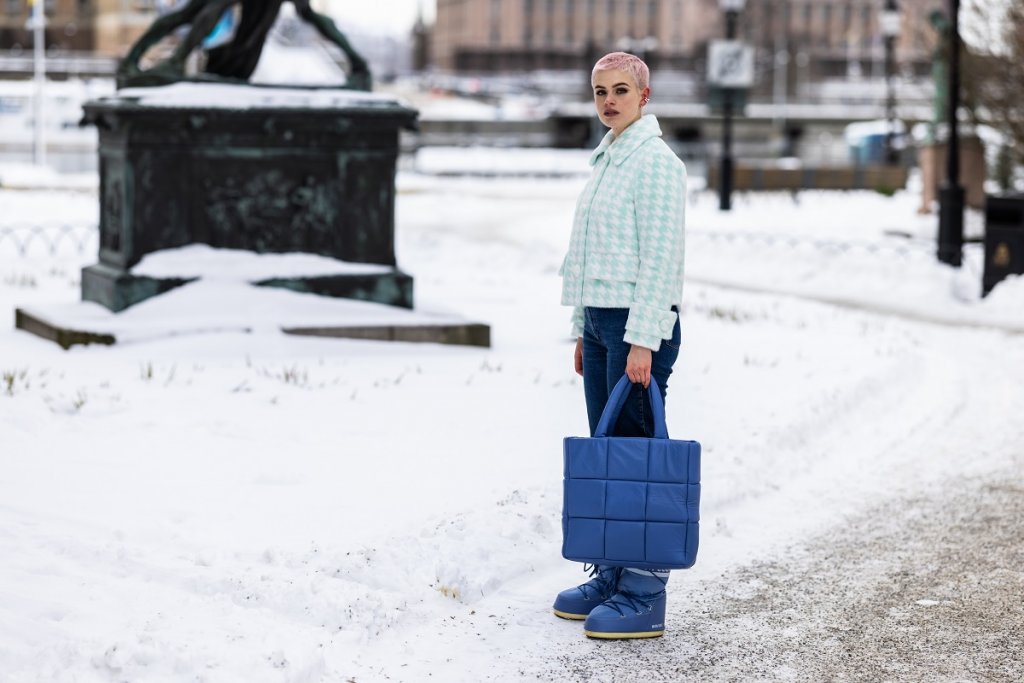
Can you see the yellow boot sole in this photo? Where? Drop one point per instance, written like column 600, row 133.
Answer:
column 622, row 636
column 569, row 615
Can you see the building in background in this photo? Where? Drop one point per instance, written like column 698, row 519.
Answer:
column 101, row 27
column 804, row 40
column 509, row 35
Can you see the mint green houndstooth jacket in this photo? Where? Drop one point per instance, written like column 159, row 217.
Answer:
column 626, row 248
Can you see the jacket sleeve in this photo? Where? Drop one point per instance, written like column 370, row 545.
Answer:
column 577, row 321
column 659, row 196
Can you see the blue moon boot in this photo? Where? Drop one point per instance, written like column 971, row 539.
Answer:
column 636, row 610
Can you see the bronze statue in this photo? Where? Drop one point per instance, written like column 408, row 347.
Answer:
column 236, row 59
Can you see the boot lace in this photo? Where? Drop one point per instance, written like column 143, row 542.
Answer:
column 600, row 583
column 635, row 602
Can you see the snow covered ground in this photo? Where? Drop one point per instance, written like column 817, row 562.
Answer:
column 256, row 507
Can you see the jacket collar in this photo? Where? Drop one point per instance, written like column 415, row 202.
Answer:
column 619, row 149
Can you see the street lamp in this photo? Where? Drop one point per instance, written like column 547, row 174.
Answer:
column 37, row 21
column 890, row 24
column 951, row 194
column 732, row 8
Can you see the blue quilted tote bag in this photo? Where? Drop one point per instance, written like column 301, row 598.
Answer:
column 631, row 501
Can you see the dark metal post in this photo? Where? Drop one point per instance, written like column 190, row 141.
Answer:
column 726, row 170
column 891, row 156
column 951, row 194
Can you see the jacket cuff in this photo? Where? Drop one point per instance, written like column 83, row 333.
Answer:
column 646, row 341
column 647, row 326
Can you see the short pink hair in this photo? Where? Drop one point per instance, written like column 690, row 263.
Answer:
column 623, row 61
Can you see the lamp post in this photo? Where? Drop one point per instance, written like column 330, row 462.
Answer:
column 37, row 20
column 951, row 194
column 890, row 24
column 732, row 8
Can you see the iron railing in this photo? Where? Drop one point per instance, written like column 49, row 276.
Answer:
column 52, row 239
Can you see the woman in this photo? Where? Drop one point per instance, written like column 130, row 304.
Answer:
column 623, row 275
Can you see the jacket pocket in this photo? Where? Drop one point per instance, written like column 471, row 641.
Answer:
column 613, row 266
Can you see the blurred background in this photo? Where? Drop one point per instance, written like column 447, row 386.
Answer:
column 515, row 73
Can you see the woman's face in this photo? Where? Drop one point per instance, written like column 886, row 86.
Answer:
column 617, row 99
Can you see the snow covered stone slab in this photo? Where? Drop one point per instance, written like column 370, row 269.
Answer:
column 65, row 337
column 216, row 306
column 164, row 270
column 299, row 272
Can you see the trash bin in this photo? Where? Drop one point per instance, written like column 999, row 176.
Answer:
column 869, row 149
column 1004, row 239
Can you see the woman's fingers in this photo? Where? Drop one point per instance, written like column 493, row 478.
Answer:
column 639, row 375
column 638, row 365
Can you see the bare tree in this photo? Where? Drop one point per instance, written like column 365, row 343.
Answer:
column 993, row 83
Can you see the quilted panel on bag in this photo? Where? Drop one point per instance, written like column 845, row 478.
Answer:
column 632, row 502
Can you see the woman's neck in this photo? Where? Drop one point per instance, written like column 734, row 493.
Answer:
column 626, row 127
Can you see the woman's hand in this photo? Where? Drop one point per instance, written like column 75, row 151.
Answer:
column 638, row 365
column 577, row 357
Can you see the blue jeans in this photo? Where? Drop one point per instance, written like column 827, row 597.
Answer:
column 604, row 363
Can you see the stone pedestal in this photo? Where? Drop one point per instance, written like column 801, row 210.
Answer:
column 972, row 172
column 245, row 167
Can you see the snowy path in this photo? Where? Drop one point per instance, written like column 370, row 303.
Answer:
column 923, row 588
column 260, row 508
column 883, row 481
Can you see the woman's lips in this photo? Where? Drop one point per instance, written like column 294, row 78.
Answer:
column 608, row 113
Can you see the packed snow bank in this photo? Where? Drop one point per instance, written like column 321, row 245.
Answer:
column 858, row 249
column 1006, row 298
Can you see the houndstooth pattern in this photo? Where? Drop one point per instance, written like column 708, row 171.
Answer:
column 626, row 248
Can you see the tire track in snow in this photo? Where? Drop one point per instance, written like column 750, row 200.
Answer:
column 877, row 307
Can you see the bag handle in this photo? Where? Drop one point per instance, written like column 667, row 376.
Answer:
column 617, row 399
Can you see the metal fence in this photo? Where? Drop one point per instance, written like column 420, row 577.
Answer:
column 48, row 239
column 66, row 239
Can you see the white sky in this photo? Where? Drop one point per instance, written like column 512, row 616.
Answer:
column 981, row 24
column 392, row 16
